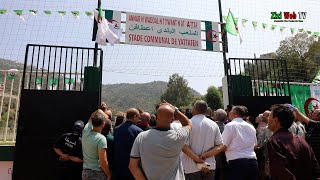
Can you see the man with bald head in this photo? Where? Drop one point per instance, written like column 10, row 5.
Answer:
column 145, row 120
column 124, row 136
column 158, row 149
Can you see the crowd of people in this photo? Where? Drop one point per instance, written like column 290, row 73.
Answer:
column 193, row 144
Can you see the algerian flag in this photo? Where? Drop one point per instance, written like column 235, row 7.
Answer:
column 12, row 74
column 292, row 30
column 89, row 14
column 47, row 12
column 231, row 26
column 224, row 18
column 244, row 21
column 69, row 83
column 39, row 83
column 236, row 20
column 282, row 28
column 264, row 25
column 108, row 27
column 3, row 11
column 33, row 12
column 62, row 13
column 254, row 24
column 273, row 27
column 212, row 36
column 20, row 14
column 76, row 14
column 300, row 30
column 53, row 83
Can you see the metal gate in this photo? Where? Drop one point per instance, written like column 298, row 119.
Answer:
column 257, row 83
column 9, row 105
column 55, row 93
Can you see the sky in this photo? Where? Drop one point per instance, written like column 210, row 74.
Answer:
column 138, row 64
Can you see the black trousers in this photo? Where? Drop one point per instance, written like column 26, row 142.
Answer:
column 67, row 173
column 242, row 169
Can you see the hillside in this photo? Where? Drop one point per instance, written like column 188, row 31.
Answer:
column 123, row 96
column 7, row 64
column 119, row 96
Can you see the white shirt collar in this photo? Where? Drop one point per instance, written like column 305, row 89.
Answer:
column 238, row 119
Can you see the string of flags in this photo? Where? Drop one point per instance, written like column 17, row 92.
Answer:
column 21, row 13
column 90, row 14
column 273, row 27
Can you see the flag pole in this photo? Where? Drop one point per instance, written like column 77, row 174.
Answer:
column 224, row 50
column 95, row 60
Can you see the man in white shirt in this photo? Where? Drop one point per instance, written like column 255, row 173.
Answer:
column 204, row 143
column 239, row 139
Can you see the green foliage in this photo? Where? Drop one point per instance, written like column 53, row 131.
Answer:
column 302, row 55
column 120, row 97
column 196, row 98
column 220, row 91
column 213, row 98
column 4, row 120
column 178, row 92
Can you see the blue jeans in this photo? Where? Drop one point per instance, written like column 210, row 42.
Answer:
column 93, row 175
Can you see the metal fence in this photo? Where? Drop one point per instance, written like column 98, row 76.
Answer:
column 47, row 68
column 258, row 77
column 10, row 85
column 58, row 67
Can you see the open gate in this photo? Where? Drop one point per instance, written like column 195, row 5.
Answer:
column 60, row 85
column 257, row 83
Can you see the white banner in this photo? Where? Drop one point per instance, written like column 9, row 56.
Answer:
column 151, row 30
column 215, row 37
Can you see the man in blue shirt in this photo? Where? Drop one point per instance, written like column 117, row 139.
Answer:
column 124, row 136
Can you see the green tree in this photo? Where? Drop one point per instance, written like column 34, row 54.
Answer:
column 299, row 52
column 302, row 55
column 178, row 92
column 213, row 98
column 196, row 98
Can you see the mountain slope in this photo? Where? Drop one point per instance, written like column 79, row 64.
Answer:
column 119, row 96
column 123, row 96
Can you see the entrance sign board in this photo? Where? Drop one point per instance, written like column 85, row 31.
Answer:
column 152, row 30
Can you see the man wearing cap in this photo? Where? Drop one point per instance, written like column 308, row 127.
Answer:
column 69, row 149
